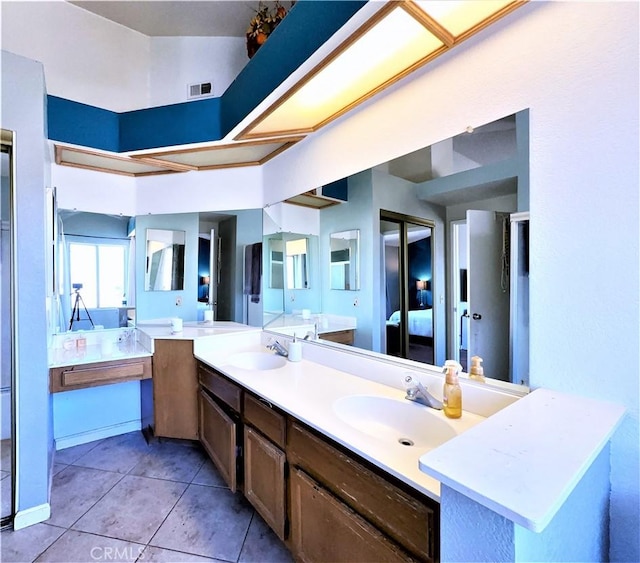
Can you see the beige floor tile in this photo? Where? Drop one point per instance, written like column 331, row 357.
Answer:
column 209, row 475
column 160, row 555
column 118, row 453
column 26, row 544
column 75, row 490
column 133, row 510
column 262, row 545
column 69, row 455
column 80, row 547
column 171, row 460
column 207, row 521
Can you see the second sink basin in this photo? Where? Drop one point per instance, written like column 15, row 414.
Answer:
column 395, row 420
column 258, row 361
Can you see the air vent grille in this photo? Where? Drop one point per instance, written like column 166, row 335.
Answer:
column 200, row 90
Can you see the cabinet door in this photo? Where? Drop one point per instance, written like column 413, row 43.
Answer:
column 175, row 390
column 325, row 529
column 218, row 436
column 264, row 479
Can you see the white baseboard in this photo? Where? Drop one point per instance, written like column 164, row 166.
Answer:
column 31, row 516
column 63, row 442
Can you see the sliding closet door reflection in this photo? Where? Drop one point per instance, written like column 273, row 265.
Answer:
column 407, row 258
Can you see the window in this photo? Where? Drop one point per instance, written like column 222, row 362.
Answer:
column 100, row 266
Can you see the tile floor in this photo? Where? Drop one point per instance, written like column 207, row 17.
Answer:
column 119, row 499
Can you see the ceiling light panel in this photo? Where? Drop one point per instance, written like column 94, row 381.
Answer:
column 221, row 156
column 399, row 38
column 379, row 53
column 461, row 16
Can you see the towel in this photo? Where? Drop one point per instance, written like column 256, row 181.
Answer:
column 253, row 271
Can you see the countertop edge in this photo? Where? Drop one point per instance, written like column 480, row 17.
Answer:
column 535, row 507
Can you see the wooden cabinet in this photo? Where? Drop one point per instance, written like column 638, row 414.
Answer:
column 175, row 390
column 325, row 529
column 218, row 435
column 325, row 502
column 81, row 376
column 407, row 519
column 339, row 336
column 264, row 479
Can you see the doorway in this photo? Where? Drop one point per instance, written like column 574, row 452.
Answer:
column 407, row 256
column 481, row 298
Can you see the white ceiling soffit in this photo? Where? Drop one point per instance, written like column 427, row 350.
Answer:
column 181, row 18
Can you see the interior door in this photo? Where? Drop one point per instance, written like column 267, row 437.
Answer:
column 488, row 293
column 214, row 273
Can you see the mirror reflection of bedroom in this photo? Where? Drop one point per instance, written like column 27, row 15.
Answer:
column 407, row 252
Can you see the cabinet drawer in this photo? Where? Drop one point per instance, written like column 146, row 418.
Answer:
column 221, row 387
column 325, row 529
column 100, row 373
column 410, row 522
column 269, row 421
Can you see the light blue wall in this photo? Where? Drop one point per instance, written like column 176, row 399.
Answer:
column 162, row 304
column 355, row 214
column 578, row 531
column 90, row 414
column 23, row 111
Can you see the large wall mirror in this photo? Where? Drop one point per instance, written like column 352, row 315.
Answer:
column 164, row 260
column 471, row 188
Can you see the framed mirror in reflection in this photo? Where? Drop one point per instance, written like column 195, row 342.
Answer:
column 344, row 270
column 444, row 186
column 164, row 269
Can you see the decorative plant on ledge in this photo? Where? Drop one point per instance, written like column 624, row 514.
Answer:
column 263, row 24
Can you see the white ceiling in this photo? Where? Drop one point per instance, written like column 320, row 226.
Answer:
column 184, row 18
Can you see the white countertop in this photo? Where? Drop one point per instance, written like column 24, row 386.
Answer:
column 192, row 330
column 550, row 437
column 308, row 390
column 290, row 324
column 93, row 353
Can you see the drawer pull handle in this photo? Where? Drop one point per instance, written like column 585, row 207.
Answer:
column 265, row 402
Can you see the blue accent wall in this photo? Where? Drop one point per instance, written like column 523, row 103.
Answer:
column 309, row 24
column 176, row 124
column 82, row 124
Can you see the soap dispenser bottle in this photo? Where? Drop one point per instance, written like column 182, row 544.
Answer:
column 476, row 372
column 452, row 393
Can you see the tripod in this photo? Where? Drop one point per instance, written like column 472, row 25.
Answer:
column 75, row 312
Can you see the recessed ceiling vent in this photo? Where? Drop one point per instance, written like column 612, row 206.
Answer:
column 201, row 90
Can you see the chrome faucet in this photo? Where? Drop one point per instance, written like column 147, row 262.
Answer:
column 312, row 334
column 278, row 348
column 420, row 394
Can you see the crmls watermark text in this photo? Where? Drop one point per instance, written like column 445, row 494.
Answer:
column 117, row 553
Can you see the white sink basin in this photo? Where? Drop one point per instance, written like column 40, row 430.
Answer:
column 396, row 421
column 259, row 361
